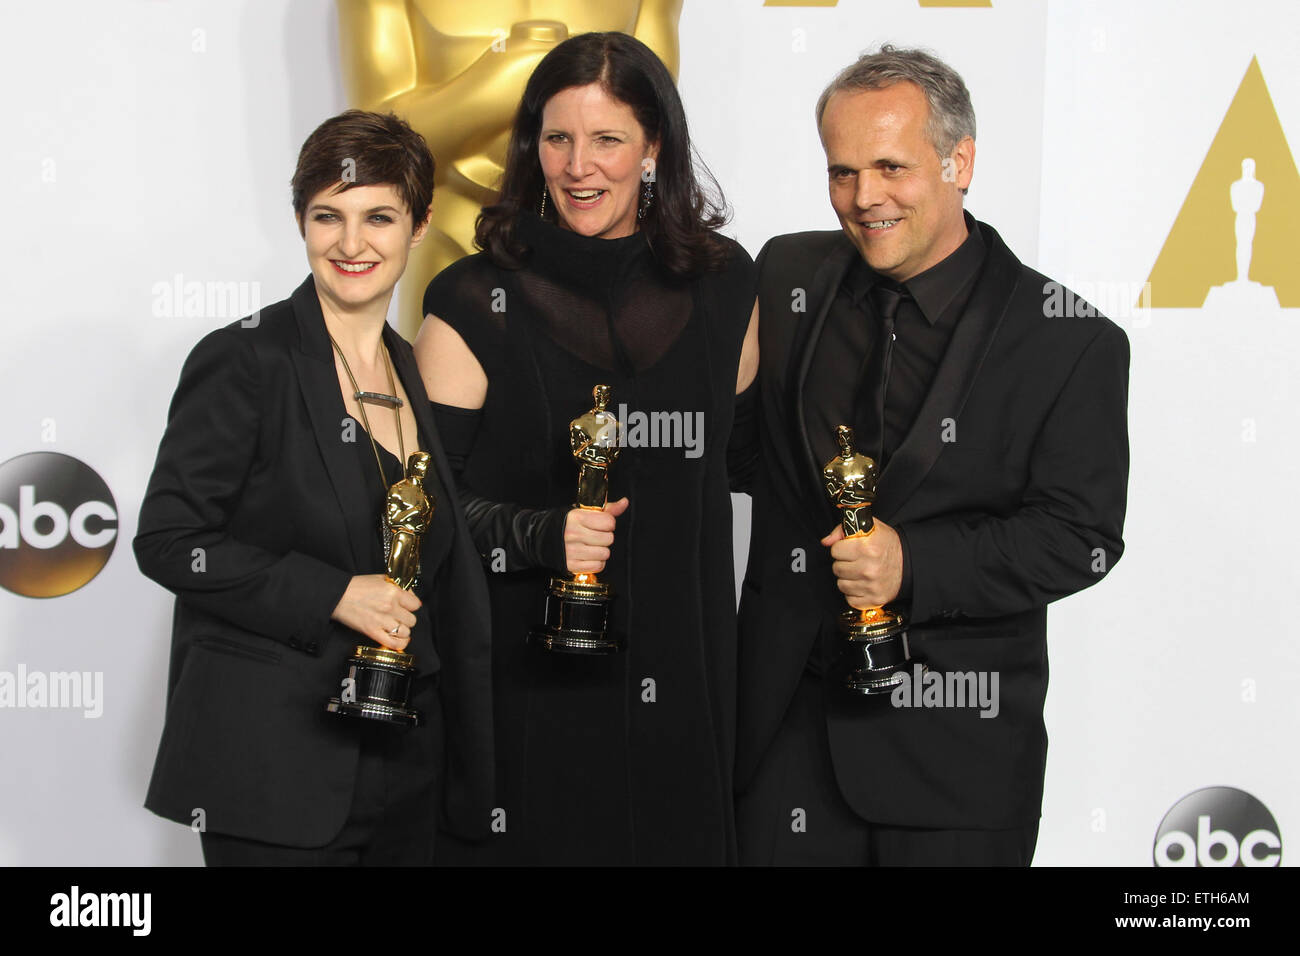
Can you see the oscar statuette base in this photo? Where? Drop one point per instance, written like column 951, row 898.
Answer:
column 577, row 619
column 874, row 657
column 377, row 686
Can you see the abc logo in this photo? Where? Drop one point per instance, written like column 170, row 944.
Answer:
column 1218, row 826
column 58, row 524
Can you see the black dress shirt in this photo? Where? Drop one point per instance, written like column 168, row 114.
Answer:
column 923, row 327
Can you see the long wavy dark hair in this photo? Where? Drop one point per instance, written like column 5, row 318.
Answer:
column 688, row 203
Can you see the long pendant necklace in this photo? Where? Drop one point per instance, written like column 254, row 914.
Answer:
column 394, row 402
column 391, row 399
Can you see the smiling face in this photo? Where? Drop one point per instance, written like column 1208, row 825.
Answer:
column 358, row 242
column 591, row 148
column 899, row 203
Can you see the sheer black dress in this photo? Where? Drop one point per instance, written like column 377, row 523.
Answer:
column 624, row 759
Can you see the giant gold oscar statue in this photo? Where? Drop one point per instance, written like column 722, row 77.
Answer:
column 455, row 71
column 873, row 656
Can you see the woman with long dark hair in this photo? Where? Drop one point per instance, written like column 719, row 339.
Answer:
column 601, row 264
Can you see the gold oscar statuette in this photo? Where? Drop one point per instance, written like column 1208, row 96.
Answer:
column 378, row 680
column 577, row 607
column 873, row 656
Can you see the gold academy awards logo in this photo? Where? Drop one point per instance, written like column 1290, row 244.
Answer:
column 1232, row 242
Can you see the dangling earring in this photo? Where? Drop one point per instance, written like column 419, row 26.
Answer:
column 647, row 198
column 542, row 211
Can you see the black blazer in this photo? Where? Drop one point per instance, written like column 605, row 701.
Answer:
column 247, row 520
column 1023, row 505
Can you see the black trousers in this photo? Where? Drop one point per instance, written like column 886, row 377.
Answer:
column 394, row 812
column 793, row 813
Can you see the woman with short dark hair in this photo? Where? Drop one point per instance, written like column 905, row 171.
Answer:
column 270, row 514
column 601, row 265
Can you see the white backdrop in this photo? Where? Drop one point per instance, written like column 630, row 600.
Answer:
column 151, row 140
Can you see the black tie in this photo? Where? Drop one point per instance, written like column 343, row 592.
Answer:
column 885, row 300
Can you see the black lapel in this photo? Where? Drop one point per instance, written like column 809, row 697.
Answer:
column 971, row 339
column 825, row 283
column 314, row 360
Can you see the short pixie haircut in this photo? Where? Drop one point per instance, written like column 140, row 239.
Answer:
column 359, row 148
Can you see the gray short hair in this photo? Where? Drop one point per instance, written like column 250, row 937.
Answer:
column 952, row 118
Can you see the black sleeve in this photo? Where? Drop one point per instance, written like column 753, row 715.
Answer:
column 183, row 539
column 1068, row 531
column 469, row 297
column 529, row 537
column 742, row 448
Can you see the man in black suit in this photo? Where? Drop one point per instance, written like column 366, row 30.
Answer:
column 999, row 428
